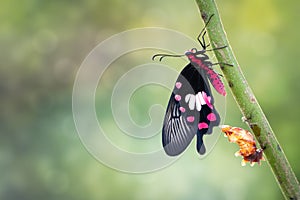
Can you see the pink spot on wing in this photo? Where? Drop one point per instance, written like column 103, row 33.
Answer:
column 190, row 118
column 178, row 85
column 202, row 125
column 211, row 117
column 182, row 109
column 177, row 97
column 207, row 100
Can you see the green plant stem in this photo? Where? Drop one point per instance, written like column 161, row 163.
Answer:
column 248, row 104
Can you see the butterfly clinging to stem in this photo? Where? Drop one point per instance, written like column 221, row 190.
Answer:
column 191, row 110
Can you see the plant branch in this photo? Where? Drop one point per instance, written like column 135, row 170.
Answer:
column 248, row 104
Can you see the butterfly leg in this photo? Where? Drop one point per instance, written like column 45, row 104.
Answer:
column 221, row 75
column 202, row 42
column 217, row 48
column 221, row 63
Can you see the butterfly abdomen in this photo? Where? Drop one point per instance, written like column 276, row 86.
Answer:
column 216, row 81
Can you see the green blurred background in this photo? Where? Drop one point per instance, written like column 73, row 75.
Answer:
column 43, row 44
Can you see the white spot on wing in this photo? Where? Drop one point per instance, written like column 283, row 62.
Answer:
column 198, row 101
column 192, row 102
column 195, row 101
column 202, row 101
column 187, row 97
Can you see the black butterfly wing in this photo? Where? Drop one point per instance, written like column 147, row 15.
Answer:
column 190, row 112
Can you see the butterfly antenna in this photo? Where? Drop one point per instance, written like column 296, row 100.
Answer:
column 165, row 55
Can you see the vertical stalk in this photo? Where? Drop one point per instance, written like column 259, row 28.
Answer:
column 248, row 104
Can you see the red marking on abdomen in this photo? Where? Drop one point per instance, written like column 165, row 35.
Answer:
column 216, row 82
column 211, row 74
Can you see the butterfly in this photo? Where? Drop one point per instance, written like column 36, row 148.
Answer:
column 191, row 110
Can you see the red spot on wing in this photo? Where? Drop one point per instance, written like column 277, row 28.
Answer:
column 182, row 109
column 202, row 125
column 211, row 117
column 177, row 97
column 207, row 100
column 178, row 85
column 190, row 118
